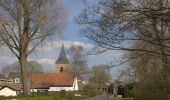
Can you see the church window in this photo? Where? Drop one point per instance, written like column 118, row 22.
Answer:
column 61, row 69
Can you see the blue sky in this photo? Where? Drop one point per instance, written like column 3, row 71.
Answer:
column 47, row 54
column 73, row 9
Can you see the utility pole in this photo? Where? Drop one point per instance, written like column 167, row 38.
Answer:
column 107, row 84
column 101, row 85
column 108, row 73
column 107, row 92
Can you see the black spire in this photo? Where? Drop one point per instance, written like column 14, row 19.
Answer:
column 62, row 59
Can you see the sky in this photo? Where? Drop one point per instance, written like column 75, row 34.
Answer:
column 48, row 53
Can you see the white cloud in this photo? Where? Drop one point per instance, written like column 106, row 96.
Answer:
column 68, row 43
column 6, row 57
column 105, row 58
column 86, row 46
column 51, row 45
column 49, row 52
column 42, row 61
column 7, row 60
column 47, row 63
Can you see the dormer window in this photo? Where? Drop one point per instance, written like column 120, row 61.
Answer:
column 17, row 80
column 61, row 69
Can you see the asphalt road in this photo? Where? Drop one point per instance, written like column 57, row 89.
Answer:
column 101, row 97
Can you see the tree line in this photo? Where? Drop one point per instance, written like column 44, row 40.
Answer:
column 140, row 27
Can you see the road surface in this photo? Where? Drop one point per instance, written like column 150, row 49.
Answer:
column 101, row 97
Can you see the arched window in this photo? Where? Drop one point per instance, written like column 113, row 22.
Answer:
column 61, row 69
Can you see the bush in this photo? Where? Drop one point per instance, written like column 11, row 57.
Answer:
column 62, row 93
column 129, row 90
column 1, row 98
column 37, row 98
column 91, row 90
column 44, row 98
column 120, row 90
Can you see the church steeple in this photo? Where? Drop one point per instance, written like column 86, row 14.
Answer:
column 62, row 63
column 62, row 59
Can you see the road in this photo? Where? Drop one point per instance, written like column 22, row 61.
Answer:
column 101, row 97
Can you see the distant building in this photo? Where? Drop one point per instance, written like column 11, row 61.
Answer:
column 10, row 78
column 10, row 84
column 61, row 80
column 10, row 90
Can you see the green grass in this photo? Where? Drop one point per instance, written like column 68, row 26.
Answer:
column 43, row 98
column 49, row 96
column 38, row 98
column 115, row 98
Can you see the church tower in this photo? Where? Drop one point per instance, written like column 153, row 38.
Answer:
column 62, row 63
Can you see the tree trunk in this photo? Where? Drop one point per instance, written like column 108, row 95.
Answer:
column 164, row 59
column 25, row 73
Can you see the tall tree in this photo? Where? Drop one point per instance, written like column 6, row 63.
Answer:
column 125, row 24
column 150, row 76
column 34, row 66
column 78, row 60
column 117, row 24
column 98, row 76
column 24, row 24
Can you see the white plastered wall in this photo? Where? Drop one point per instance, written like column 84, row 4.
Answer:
column 72, row 88
column 7, row 92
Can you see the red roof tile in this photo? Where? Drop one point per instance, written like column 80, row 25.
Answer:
column 45, row 80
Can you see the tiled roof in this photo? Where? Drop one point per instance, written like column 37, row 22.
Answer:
column 14, row 75
column 45, row 80
column 62, row 59
column 13, row 87
column 2, row 77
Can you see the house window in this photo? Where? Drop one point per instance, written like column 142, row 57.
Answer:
column 61, row 69
column 17, row 80
column 17, row 92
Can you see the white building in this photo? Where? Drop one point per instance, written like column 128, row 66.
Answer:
column 61, row 80
column 54, row 82
column 10, row 90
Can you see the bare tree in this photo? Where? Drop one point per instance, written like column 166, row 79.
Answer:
column 34, row 66
column 138, row 26
column 78, row 59
column 150, row 75
column 24, row 24
column 116, row 24
column 98, row 77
